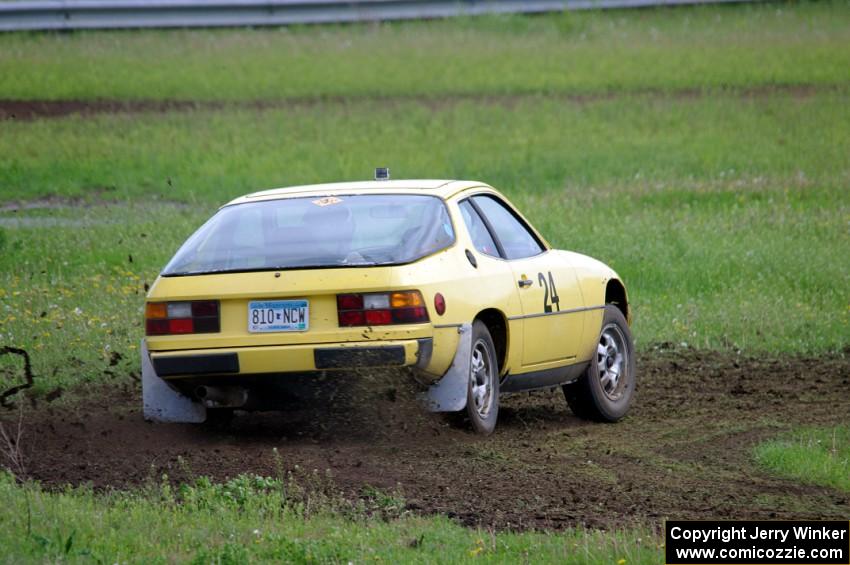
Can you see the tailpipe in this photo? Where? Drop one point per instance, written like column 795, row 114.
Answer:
column 222, row 396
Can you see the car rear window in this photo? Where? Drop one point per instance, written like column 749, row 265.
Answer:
column 330, row 231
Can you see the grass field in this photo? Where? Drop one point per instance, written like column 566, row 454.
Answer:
column 725, row 214
column 251, row 519
column 811, row 455
column 712, row 46
column 703, row 152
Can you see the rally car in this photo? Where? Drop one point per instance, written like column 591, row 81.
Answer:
column 443, row 277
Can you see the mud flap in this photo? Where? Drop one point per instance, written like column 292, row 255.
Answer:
column 161, row 403
column 450, row 392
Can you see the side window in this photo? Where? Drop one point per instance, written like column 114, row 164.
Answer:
column 515, row 238
column 481, row 238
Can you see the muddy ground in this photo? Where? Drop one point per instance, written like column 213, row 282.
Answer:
column 683, row 452
column 28, row 110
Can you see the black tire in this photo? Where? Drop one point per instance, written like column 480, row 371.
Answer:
column 482, row 399
column 599, row 394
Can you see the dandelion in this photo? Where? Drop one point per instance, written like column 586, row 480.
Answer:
column 621, row 562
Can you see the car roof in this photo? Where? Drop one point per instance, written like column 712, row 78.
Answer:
column 442, row 188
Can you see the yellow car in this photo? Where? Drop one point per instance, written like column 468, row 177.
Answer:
column 444, row 277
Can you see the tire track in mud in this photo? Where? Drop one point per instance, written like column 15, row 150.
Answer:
column 34, row 109
column 683, row 452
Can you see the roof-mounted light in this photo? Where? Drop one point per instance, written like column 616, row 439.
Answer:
column 382, row 173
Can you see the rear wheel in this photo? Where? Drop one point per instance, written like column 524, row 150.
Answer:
column 604, row 392
column 482, row 401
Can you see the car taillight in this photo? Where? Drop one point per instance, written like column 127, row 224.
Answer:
column 172, row 318
column 381, row 308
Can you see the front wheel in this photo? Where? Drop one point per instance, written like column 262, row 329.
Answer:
column 604, row 392
column 482, row 400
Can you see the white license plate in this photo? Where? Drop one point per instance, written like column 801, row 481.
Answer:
column 278, row 316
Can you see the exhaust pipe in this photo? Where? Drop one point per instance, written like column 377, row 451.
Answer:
column 222, row 396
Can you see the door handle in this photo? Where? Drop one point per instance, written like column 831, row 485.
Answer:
column 525, row 282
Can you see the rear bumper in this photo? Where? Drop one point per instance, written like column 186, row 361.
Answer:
column 177, row 399
column 292, row 358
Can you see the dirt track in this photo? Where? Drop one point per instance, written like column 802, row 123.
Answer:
column 684, row 451
column 27, row 110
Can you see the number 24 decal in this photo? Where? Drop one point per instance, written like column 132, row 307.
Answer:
column 550, row 295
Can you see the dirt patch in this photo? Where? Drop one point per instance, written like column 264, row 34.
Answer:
column 25, row 110
column 683, row 452
column 28, row 110
column 96, row 197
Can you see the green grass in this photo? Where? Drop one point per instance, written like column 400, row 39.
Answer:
column 703, row 152
column 698, row 47
column 255, row 519
column 725, row 215
column 819, row 456
column 70, row 295
column 669, row 150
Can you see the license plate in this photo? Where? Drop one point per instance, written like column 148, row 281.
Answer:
column 278, row 316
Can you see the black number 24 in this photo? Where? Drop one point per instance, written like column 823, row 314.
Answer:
column 550, row 295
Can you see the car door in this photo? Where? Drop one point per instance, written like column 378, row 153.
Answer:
column 552, row 320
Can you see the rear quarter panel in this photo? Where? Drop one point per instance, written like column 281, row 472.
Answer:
column 467, row 291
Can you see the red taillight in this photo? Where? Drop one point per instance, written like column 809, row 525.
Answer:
column 381, row 308
column 352, row 318
column 181, row 326
column 207, row 308
column 410, row 315
column 156, row 327
column 379, row 317
column 349, row 302
column 170, row 318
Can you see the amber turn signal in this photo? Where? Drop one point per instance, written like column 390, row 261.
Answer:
column 156, row 310
column 408, row 299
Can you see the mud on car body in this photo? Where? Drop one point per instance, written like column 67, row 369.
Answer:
column 444, row 277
